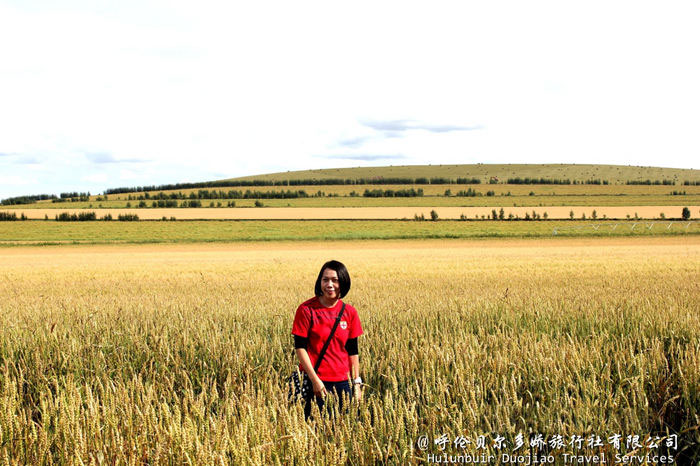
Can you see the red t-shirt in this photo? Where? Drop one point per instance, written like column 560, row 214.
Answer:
column 336, row 362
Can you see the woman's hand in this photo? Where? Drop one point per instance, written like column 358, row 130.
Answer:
column 357, row 392
column 316, row 382
column 319, row 388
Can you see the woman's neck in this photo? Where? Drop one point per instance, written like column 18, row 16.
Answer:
column 325, row 302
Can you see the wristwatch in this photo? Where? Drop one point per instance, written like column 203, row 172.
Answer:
column 357, row 381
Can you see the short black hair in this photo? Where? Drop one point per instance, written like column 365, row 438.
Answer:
column 343, row 278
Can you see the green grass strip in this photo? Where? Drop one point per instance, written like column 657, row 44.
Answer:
column 51, row 232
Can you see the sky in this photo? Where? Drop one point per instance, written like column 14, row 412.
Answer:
column 101, row 94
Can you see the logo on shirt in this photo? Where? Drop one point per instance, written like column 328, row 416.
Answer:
column 343, row 324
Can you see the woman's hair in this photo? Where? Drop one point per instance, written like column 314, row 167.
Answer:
column 343, row 278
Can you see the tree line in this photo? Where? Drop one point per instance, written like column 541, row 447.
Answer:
column 650, row 182
column 231, row 194
column 91, row 216
column 11, row 216
column 82, row 197
column 393, row 193
column 296, row 182
column 27, row 199
column 527, row 180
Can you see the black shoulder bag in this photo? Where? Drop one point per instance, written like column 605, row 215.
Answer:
column 303, row 388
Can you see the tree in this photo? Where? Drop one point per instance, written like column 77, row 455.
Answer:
column 571, row 215
column 686, row 213
column 433, row 215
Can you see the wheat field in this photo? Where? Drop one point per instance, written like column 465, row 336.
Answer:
column 176, row 354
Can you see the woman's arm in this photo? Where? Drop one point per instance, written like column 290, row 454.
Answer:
column 354, row 366
column 353, row 353
column 355, row 373
column 316, row 382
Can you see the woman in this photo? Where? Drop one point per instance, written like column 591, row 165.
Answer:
column 313, row 322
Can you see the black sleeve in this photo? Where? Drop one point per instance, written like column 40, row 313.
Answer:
column 300, row 342
column 351, row 346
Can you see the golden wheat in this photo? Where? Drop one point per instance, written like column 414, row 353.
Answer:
column 176, row 354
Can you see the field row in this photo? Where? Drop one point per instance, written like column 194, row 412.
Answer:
column 176, row 354
column 321, row 213
column 191, row 231
column 429, row 201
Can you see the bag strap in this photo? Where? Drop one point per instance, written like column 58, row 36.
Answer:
column 330, row 337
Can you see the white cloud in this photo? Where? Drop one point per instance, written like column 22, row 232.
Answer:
column 15, row 180
column 127, row 175
column 96, row 178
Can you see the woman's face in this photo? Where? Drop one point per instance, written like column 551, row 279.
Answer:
column 329, row 284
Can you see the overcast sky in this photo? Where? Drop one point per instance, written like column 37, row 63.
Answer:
column 97, row 94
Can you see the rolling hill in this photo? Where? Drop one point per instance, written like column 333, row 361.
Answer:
column 615, row 174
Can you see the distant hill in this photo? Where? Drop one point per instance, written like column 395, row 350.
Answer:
column 422, row 175
column 615, row 174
